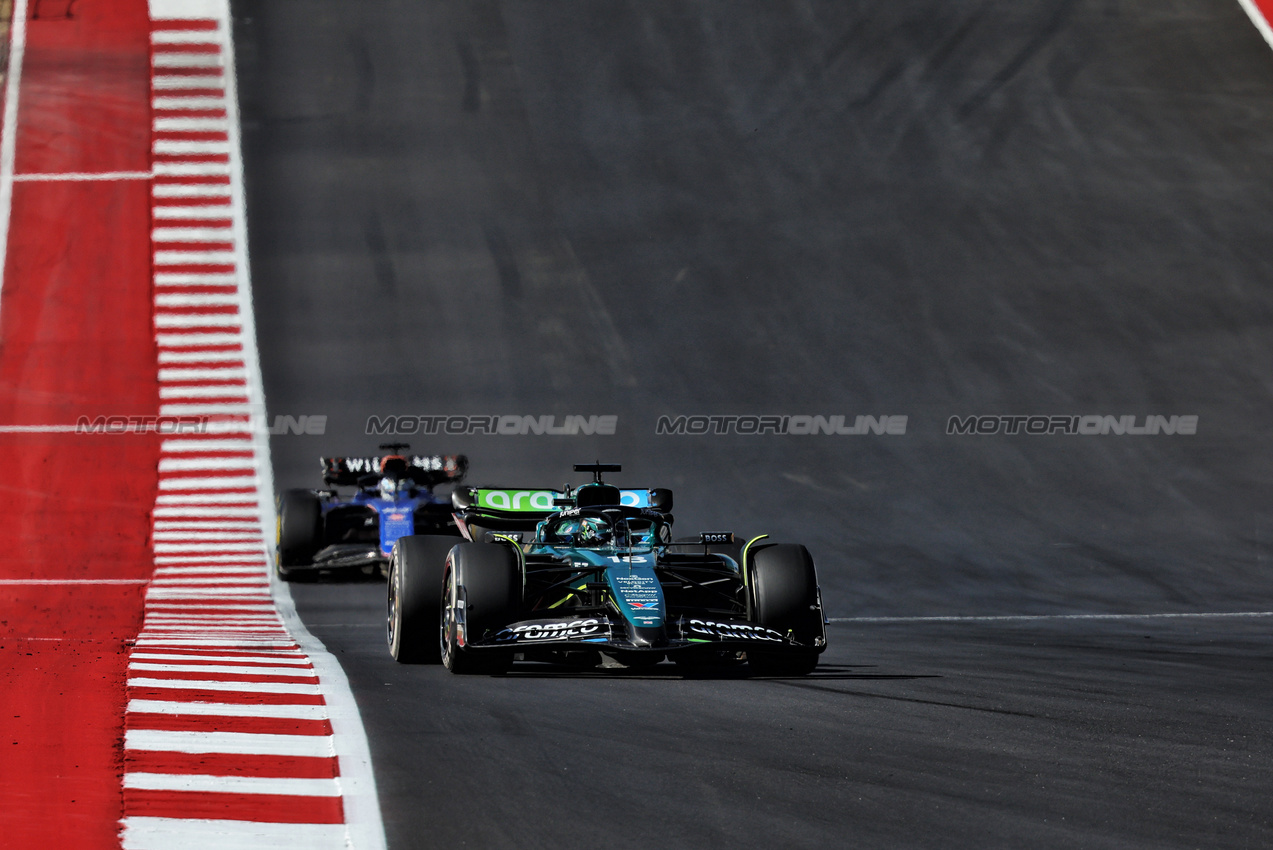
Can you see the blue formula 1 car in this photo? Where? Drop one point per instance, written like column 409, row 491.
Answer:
column 579, row 576
column 324, row 530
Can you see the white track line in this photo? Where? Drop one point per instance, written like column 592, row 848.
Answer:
column 1030, row 618
column 9, row 130
column 1257, row 18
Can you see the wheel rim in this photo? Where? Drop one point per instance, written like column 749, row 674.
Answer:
column 390, row 624
column 448, row 620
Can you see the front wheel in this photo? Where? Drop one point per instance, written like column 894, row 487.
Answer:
column 300, row 531
column 483, row 594
column 784, row 588
column 416, row 568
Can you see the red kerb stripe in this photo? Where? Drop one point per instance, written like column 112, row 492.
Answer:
column 231, row 697
column 229, row 764
column 183, row 24
column 212, row 723
column 265, row 808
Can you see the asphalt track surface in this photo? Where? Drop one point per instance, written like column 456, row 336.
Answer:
column 905, row 208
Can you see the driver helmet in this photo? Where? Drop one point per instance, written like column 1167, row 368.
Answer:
column 587, row 531
column 391, row 486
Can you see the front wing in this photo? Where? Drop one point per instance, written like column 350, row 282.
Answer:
column 685, row 633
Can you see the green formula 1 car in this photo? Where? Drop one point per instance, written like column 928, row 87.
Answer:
column 578, row 576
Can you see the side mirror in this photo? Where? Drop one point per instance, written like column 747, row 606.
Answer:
column 462, row 497
column 661, row 500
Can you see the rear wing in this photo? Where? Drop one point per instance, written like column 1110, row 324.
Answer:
column 527, row 504
column 425, row 470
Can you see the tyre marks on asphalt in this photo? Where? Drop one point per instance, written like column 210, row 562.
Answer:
column 229, row 739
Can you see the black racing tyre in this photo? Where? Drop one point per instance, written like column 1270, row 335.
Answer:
column 414, row 598
column 300, row 531
column 491, row 579
column 784, row 591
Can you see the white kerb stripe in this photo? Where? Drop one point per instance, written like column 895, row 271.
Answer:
column 209, row 581
column 206, row 409
column 205, row 445
column 203, row 81
column 256, row 644
column 205, row 512
column 192, row 234
column 200, row 102
column 185, row 37
column 181, row 146
column 211, row 621
column 192, row 340
column 236, row 392
column 175, row 464
column 231, row 784
column 221, row 709
column 197, row 355
column 239, row 563
column 219, row 668
column 190, row 190
column 208, row 525
column 191, row 169
column 235, row 687
column 240, row 559
column 237, row 606
column 245, row 743
column 188, row 60
column 142, row 833
column 233, row 501
column 201, row 211
column 288, row 660
column 201, row 543
column 194, row 258
column 197, row 320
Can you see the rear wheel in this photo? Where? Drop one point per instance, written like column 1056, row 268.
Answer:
column 300, row 531
column 487, row 578
column 416, row 568
column 784, row 587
